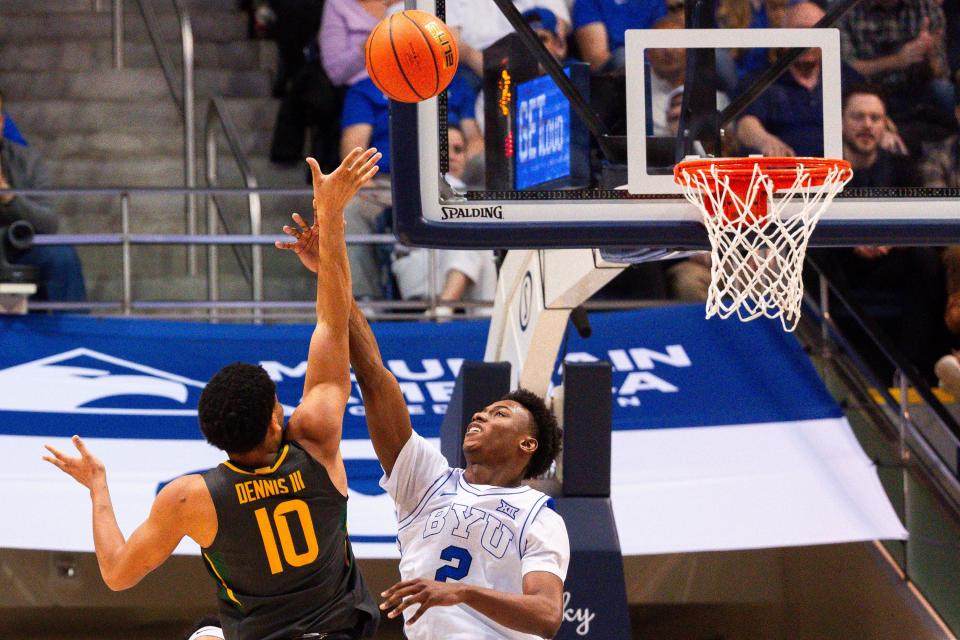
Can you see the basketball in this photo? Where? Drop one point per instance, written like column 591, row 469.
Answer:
column 411, row 56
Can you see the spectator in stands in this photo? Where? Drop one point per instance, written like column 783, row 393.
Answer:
column 940, row 167
column 667, row 70
column 545, row 24
column 951, row 11
column 10, row 130
column 951, row 264
column 599, row 27
column 900, row 288
column 787, row 118
column 366, row 123
column 687, row 279
column 864, row 127
column 309, row 101
column 292, row 24
column 479, row 23
column 22, row 167
column 733, row 65
column 674, row 105
column 900, row 45
column 463, row 275
column 343, row 35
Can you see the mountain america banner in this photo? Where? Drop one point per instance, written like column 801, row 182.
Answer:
column 724, row 436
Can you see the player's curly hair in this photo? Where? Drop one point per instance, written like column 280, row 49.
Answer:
column 548, row 433
column 236, row 407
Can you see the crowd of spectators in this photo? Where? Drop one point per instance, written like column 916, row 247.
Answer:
column 900, row 127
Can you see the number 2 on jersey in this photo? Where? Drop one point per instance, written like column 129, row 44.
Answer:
column 454, row 571
column 290, row 554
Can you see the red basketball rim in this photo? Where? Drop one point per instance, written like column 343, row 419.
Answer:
column 781, row 170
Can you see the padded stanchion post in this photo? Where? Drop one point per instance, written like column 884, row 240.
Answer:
column 595, row 598
column 587, row 417
column 478, row 384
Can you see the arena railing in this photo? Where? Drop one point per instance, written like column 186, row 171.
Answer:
column 945, row 443
column 181, row 91
column 218, row 113
column 258, row 310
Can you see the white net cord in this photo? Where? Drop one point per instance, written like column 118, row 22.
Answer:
column 757, row 260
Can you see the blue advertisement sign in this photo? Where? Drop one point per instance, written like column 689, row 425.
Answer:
column 543, row 133
column 131, row 387
column 129, row 378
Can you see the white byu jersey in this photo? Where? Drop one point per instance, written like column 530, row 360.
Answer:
column 449, row 529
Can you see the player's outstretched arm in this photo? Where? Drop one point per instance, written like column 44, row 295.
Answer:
column 538, row 610
column 317, row 423
column 388, row 419
column 181, row 508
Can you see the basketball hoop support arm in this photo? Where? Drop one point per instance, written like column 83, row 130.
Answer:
column 536, row 291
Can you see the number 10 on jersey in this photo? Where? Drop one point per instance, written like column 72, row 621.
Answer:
column 282, row 525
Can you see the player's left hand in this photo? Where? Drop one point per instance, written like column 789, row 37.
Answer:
column 87, row 469
column 333, row 191
column 304, row 242
column 423, row 592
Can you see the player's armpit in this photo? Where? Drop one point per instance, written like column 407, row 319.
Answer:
column 317, row 423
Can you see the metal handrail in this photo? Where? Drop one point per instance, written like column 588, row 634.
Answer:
column 892, row 354
column 184, row 98
column 107, row 239
column 421, row 310
column 936, row 453
column 172, row 191
column 217, row 112
column 117, row 15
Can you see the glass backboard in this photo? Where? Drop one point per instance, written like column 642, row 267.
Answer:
column 546, row 178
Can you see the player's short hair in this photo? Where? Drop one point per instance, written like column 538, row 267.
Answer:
column 861, row 89
column 236, row 407
column 546, row 431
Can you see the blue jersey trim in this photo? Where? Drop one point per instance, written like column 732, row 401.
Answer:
column 436, row 486
column 360, row 539
column 530, row 518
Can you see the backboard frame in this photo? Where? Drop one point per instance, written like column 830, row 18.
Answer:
column 423, row 217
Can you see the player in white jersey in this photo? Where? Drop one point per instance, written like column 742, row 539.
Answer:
column 481, row 555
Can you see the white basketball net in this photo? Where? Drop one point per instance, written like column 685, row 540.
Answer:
column 757, row 261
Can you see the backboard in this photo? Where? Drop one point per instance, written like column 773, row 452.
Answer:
column 551, row 177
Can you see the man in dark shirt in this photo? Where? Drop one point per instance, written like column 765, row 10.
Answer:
column 787, row 118
column 271, row 519
column 900, row 45
column 900, row 288
column 864, row 125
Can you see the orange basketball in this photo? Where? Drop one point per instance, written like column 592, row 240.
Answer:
column 411, row 56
